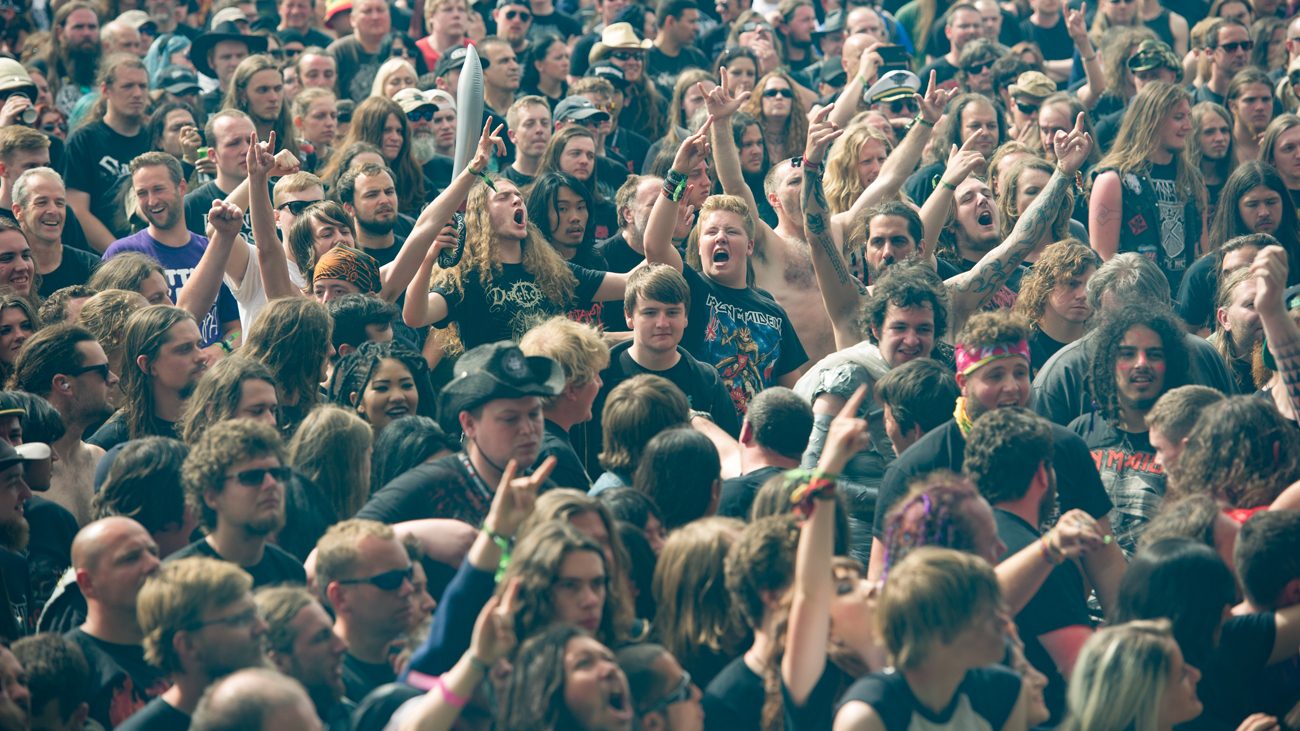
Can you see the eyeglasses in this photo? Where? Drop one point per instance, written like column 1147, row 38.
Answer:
column 297, row 207
column 751, row 26
column 426, row 115
column 1122, row 2
column 898, row 107
column 978, row 68
column 387, row 581
column 234, row 621
column 255, row 478
column 626, row 55
column 523, row 15
column 399, row 52
column 771, row 93
column 51, row 126
column 102, row 369
column 607, row 107
column 292, row 53
column 681, row 693
column 1027, row 108
column 1232, row 47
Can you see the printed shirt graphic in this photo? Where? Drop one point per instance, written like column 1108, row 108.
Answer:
column 1171, row 217
column 743, row 333
column 97, row 160
column 178, row 266
column 1127, row 463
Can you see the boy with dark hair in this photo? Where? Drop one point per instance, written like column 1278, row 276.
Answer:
column 917, row 397
column 360, row 318
column 1172, row 418
column 56, row 676
column 1267, row 557
column 773, row 438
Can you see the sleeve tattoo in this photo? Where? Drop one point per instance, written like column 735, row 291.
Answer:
column 1028, row 231
column 816, row 213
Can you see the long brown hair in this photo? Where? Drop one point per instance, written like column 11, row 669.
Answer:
column 694, row 615
column 368, row 122
column 147, row 331
column 218, row 394
column 1010, row 189
column 329, row 448
column 1140, row 133
column 286, row 137
column 302, row 235
column 291, row 337
column 795, row 131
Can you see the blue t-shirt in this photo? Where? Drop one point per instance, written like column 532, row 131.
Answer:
column 178, row 263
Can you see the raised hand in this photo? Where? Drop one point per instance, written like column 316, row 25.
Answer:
column 285, row 162
column 719, row 102
column 1074, row 535
column 191, row 141
column 1072, row 147
column 226, row 218
column 1076, row 25
column 494, row 630
column 821, row 134
column 516, row 497
column 487, row 142
column 846, row 436
column 694, row 149
column 685, row 218
column 869, row 62
column 1270, row 270
column 935, row 100
column 13, row 109
column 447, row 238
column 767, row 58
column 962, row 162
column 260, row 160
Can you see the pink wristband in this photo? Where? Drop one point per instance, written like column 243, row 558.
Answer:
column 417, row 679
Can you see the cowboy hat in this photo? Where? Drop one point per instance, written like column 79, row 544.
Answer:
column 617, row 35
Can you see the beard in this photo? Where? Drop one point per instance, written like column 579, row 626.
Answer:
column 424, row 145
column 1048, row 506
column 14, row 534
column 323, row 695
column 376, row 226
column 169, row 220
column 266, row 525
column 81, row 61
column 188, row 389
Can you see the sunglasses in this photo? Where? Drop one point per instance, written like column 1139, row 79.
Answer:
column 627, row 55
column 387, row 581
column 426, row 115
column 899, row 107
column 399, row 52
column 771, row 93
column 255, row 478
column 51, row 126
column 297, row 207
column 292, row 52
column 750, row 26
column 276, row 54
column 521, row 14
column 234, row 621
column 1027, row 108
column 101, row 369
column 978, row 68
column 1232, row 47
column 607, row 107
column 681, row 693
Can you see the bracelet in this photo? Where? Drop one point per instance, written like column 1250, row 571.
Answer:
column 457, row 701
column 674, row 185
column 806, row 164
column 918, row 119
column 1049, row 554
column 702, row 414
column 484, row 176
column 504, row 543
column 947, row 185
column 482, row 666
column 865, row 84
column 1090, row 58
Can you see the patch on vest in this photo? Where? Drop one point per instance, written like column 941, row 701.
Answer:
column 1137, row 224
column 1133, row 183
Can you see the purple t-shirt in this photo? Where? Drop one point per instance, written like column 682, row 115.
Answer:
column 178, row 265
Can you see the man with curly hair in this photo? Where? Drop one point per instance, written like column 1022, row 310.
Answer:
column 1137, row 355
column 992, row 373
column 234, row 479
column 1054, row 297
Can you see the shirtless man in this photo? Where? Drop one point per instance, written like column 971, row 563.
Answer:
column 65, row 365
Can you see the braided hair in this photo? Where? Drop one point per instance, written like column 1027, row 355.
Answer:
column 355, row 370
column 931, row 514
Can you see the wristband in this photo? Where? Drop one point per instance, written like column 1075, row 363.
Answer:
column 674, row 185
column 807, row 164
column 226, row 344
column 814, row 485
column 918, row 119
column 865, row 84
column 702, row 414
column 1090, row 58
column 457, row 701
column 947, row 185
column 1049, row 554
column 504, row 543
column 483, row 175
column 482, row 666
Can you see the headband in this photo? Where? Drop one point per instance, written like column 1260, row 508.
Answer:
column 349, row 265
column 969, row 359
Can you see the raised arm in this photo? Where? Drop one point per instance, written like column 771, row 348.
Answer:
column 901, row 162
column 726, row 158
column 1270, row 269
column 842, row 293
column 271, row 259
column 961, row 163
column 810, row 609
column 1077, row 27
column 846, row 104
column 203, row 286
column 659, row 247
column 972, row 289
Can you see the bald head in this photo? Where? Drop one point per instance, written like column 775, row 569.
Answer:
column 854, row 45
column 99, row 537
column 255, row 698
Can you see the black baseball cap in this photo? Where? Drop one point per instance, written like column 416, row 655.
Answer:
column 179, row 80
column 609, row 72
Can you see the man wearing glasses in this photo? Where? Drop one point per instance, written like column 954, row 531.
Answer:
column 365, row 573
column 1228, row 44
column 234, row 479
column 200, row 623
column 663, row 694
column 964, row 25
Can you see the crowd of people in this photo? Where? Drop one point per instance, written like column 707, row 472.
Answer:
column 818, row 365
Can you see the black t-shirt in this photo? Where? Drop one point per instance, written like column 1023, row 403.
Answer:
column 1230, row 679
column 733, row 700
column 198, row 203
column 1041, row 347
column 356, row 68
column 359, row 678
column 18, row 589
column 986, row 694
column 703, row 387
column 1060, row 602
column 738, row 492
column 276, row 567
column 159, row 715
column 1196, row 293
column 509, row 305
column 385, row 255
column 98, row 159
column 943, row 70
column 743, row 333
column 1077, row 483
column 121, row 682
column 519, row 179
column 818, row 711
column 443, row 488
column 1126, row 461
column 1054, row 42
column 558, row 23
column 49, row 552
column 114, row 432
column 663, row 70
column 568, row 471
column 629, row 145
column 920, row 184
column 619, row 258
column 76, row 268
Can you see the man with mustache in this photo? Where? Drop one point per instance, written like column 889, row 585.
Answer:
column 74, row 53
column 235, row 481
column 159, row 186
column 369, row 194
column 111, row 559
column 1138, row 355
column 303, row 646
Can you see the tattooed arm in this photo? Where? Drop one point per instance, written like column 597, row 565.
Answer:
column 1270, row 269
column 972, row 289
column 1104, row 209
column 842, row 293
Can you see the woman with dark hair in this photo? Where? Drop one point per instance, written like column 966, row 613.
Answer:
column 680, row 470
column 400, row 45
column 545, row 68
column 382, row 382
column 569, row 224
column 1185, row 581
column 640, row 568
column 382, row 123
column 630, row 505
column 564, row 680
column 405, row 443
column 572, row 150
column 741, row 64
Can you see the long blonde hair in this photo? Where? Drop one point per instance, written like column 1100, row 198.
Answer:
column 1101, row 24
column 549, row 270
column 843, row 185
column 1140, row 133
column 1009, row 190
column 1116, row 47
column 329, row 448
column 676, row 109
column 1120, row 678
